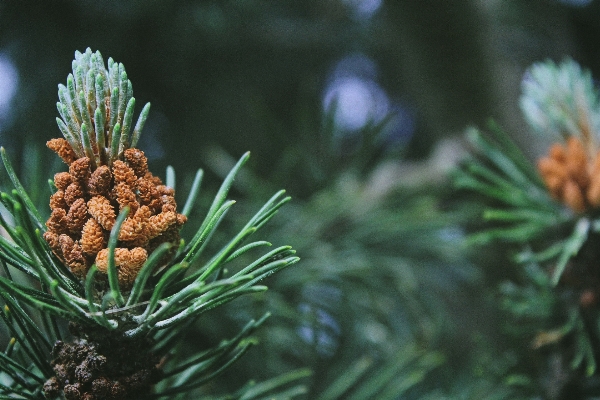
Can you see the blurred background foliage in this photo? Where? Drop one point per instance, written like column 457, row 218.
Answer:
column 356, row 107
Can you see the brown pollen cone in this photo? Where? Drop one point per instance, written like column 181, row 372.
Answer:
column 572, row 176
column 87, row 202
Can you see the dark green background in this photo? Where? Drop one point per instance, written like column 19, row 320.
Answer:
column 240, row 73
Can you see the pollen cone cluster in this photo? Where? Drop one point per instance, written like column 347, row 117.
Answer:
column 87, row 202
column 571, row 175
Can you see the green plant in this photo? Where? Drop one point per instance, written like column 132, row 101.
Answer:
column 110, row 265
column 549, row 216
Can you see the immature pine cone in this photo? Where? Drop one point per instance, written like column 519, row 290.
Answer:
column 571, row 175
column 85, row 207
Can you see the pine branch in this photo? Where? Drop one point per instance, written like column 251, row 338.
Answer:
column 553, row 220
column 110, row 261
